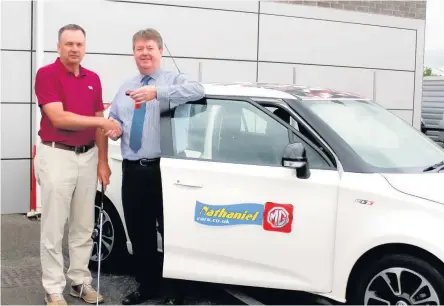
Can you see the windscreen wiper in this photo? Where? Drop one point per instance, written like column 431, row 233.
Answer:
column 436, row 167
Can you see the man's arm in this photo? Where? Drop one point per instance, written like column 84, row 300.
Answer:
column 62, row 119
column 180, row 92
column 103, row 169
column 49, row 99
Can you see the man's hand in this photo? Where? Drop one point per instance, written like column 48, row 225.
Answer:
column 114, row 134
column 143, row 94
column 110, row 126
column 103, row 173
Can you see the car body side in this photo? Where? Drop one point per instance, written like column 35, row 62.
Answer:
column 370, row 212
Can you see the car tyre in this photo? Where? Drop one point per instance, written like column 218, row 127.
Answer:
column 114, row 250
column 370, row 287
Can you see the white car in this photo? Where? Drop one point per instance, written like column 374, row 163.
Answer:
column 288, row 187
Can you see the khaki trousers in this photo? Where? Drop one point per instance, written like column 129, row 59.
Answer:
column 68, row 184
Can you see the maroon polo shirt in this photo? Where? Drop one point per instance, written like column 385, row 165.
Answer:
column 81, row 95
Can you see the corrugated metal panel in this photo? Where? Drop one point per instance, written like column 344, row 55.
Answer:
column 433, row 105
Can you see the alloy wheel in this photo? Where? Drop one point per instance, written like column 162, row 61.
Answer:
column 400, row 286
column 108, row 236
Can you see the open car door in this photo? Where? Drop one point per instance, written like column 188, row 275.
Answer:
column 232, row 212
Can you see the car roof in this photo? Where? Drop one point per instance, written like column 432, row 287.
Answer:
column 276, row 90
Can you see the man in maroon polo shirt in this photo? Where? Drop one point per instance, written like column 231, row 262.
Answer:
column 69, row 160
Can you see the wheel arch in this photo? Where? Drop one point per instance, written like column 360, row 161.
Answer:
column 390, row 248
column 106, row 201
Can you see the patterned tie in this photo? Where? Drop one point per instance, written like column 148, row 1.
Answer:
column 137, row 123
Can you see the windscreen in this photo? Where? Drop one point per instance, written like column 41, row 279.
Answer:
column 379, row 137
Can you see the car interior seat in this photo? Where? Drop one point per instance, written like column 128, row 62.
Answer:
column 234, row 144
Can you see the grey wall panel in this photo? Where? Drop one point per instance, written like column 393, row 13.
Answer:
column 395, row 89
column 16, row 76
column 243, row 6
column 275, row 73
column 209, row 71
column 188, row 32
column 16, row 186
column 228, row 71
column 357, row 81
column 16, row 25
column 32, row 93
column 15, row 131
column 335, row 43
column 190, row 67
column 339, row 15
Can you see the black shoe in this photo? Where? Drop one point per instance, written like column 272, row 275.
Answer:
column 174, row 300
column 137, row 297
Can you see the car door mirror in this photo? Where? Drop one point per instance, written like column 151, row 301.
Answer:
column 295, row 157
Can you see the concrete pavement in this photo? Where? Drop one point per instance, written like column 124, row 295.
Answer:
column 21, row 272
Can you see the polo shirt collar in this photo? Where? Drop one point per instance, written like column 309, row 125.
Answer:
column 63, row 69
column 155, row 75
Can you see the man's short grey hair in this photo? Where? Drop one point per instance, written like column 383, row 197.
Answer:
column 148, row 34
column 71, row 27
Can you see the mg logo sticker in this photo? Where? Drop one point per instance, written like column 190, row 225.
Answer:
column 278, row 217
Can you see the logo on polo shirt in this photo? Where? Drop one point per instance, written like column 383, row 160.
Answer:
column 90, row 87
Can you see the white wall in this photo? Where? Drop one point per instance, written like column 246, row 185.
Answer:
column 373, row 55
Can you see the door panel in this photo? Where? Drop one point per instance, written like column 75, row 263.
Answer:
column 223, row 211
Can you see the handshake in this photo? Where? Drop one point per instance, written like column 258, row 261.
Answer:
column 111, row 128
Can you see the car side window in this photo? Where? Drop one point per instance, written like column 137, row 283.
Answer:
column 284, row 115
column 233, row 131
column 315, row 159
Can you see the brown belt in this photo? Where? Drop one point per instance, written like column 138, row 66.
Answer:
column 76, row 149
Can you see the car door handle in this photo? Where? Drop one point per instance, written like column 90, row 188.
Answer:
column 188, row 184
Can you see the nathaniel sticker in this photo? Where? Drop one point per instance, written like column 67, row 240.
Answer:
column 271, row 216
column 235, row 214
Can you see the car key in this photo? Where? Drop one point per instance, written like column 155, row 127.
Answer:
column 137, row 105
